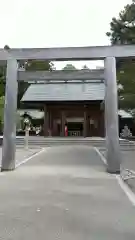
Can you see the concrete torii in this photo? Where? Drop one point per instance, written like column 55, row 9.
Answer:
column 106, row 53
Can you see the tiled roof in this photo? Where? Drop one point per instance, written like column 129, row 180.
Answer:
column 92, row 90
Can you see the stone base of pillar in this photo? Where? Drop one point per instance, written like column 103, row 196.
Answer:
column 113, row 172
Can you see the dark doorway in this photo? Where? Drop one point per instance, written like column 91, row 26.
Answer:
column 75, row 129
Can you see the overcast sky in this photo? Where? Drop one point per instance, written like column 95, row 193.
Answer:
column 44, row 23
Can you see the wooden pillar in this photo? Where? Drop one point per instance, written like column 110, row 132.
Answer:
column 102, row 125
column 55, row 128
column 50, row 124
column 85, row 122
column 102, row 120
column 46, row 121
column 90, row 122
column 63, row 121
column 88, row 125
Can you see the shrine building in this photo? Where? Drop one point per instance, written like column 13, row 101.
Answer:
column 75, row 104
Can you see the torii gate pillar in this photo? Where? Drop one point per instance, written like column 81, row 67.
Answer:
column 111, row 117
column 9, row 136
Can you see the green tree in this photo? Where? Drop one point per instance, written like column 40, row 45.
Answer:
column 18, row 118
column 2, row 90
column 122, row 31
column 31, row 65
column 2, row 101
column 69, row 67
column 36, row 65
column 3, row 76
column 85, row 67
column 2, row 80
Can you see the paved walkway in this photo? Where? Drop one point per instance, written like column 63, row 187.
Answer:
column 128, row 162
column 64, row 193
column 22, row 154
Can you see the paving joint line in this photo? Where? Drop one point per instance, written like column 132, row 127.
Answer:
column 30, row 157
column 124, row 186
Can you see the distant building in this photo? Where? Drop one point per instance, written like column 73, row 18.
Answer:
column 76, row 105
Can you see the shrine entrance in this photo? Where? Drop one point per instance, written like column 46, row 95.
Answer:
column 75, row 129
column 106, row 53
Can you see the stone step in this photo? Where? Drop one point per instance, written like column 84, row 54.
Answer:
column 70, row 141
column 52, row 141
column 100, row 143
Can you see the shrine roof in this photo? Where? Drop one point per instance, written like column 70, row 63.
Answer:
column 70, row 91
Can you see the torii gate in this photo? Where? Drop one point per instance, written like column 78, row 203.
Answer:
column 106, row 53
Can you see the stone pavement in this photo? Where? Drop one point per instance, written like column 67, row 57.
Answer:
column 127, row 162
column 64, row 193
column 22, row 154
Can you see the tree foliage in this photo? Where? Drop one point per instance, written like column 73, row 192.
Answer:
column 36, row 65
column 85, row 67
column 18, row 118
column 2, row 101
column 2, row 80
column 30, row 65
column 126, row 78
column 69, row 66
column 122, row 31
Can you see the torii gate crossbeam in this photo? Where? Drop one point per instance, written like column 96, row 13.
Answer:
column 60, row 75
column 69, row 53
column 108, row 53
